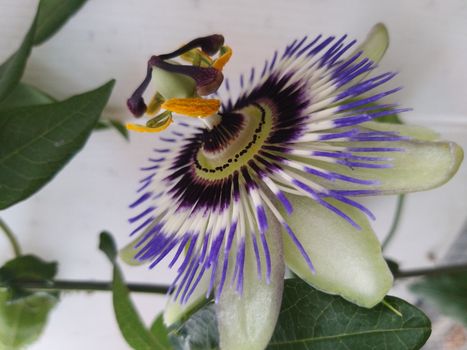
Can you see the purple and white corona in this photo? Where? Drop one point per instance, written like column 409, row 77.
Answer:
column 272, row 176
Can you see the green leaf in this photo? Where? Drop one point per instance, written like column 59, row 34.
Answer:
column 310, row 319
column 160, row 331
column 448, row 292
column 12, row 69
column 132, row 327
column 115, row 124
column 27, row 268
column 52, row 15
column 23, row 314
column 37, row 141
column 25, row 95
column 28, row 95
column 22, row 321
column 107, row 245
column 199, row 332
column 393, row 266
column 128, row 319
column 391, row 119
column 120, row 128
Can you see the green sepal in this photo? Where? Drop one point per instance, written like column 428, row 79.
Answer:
column 348, row 262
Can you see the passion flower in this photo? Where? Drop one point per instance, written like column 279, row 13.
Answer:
column 273, row 177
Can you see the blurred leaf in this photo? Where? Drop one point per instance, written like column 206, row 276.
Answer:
column 25, row 95
column 120, row 127
column 107, row 245
column 52, row 15
column 448, row 292
column 393, row 266
column 199, row 332
column 115, row 124
column 22, row 321
column 160, row 332
column 23, row 314
column 27, row 268
column 102, row 125
column 310, row 319
column 37, row 141
column 132, row 327
column 12, row 69
column 391, row 119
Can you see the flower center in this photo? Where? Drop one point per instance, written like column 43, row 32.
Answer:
column 224, row 151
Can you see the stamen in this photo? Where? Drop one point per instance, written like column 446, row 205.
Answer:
column 204, row 72
column 226, row 53
column 155, row 104
column 192, row 107
column 157, row 124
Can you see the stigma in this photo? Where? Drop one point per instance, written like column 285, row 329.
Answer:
column 183, row 89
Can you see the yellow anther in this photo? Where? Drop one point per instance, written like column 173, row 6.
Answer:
column 192, row 107
column 142, row 128
column 155, row 104
column 223, row 59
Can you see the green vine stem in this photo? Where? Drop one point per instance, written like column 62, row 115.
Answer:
column 11, row 237
column 435, row 271
column 87, row 286
column 90, row 286
column 392, row 308
column 395, row 221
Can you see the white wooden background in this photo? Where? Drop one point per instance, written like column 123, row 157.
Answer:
column 113, row 39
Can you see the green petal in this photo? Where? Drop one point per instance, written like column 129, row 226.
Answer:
column 348, row 261
column 127, row 254
column 173, row 85
column 247, row 321
column 374, row 47
column 375, row 44
column 174, row 311
column 421, row 165
column 419, row 133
